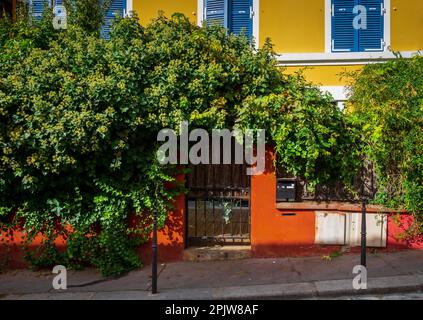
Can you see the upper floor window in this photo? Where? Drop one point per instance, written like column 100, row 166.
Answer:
column 235, row 15
column 357, row 25
column 118, row 7
column 37, row 7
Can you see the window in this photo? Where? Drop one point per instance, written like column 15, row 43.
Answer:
column 369, row 36
column 235, row 15
column 37, row 8
column 118, row 7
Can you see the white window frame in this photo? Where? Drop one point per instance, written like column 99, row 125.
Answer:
column 386, row 26
column 256, row 18
column 329, row 58
column 129, row 8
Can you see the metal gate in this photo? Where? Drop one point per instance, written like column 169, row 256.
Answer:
column 218, row 205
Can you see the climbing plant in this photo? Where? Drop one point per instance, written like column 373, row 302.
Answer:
column 386, row 103
column 79, row 117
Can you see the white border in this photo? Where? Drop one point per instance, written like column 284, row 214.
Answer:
column 328, row 26
column 339, row 93
column 256, row 18
column 200, row 12
column 129, row 7
column 256, row 22
column 386, row 27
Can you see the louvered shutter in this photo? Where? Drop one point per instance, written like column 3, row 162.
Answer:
column 216, row 12
column 37, row 8
column 117, row 8
column 371, row 39
column 241, row 20
column 344, row 36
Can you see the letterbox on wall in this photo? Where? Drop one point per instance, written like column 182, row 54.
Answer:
column 286, row 189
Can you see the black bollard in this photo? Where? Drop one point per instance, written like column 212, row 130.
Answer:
column 154, row 260
column 363, row 232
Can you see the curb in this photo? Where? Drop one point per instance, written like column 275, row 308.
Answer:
column 322, row 289
column 287, row 291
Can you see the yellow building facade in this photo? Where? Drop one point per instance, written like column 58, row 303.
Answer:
column 301, row 30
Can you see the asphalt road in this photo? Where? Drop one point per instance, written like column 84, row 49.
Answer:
column 396, row 296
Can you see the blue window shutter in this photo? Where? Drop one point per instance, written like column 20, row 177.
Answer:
column 117, row 8
column 371, row 39
column 344, row 36
column 216, row 12
column 37, row 8
column 241, row 20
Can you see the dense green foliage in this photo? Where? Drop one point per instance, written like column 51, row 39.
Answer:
column 387, row 104
column 311, row 136
column 79, row 118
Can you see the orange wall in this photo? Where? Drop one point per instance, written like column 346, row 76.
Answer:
column 272, row 233
column 171, row 239
column 171, row 243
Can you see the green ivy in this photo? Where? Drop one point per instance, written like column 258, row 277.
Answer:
column 386, row 103
column 79, row 117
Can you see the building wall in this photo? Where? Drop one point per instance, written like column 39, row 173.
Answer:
column 293, row 26
column 170, row 240
column 406, row 25
column 292, row 230
column 326, row 75
column 277, row 232
column 148, row 9
column 299, row 27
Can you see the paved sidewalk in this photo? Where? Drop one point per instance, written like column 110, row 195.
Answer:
column 283, row 278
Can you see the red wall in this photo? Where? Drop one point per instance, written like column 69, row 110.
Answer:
column 397, row 225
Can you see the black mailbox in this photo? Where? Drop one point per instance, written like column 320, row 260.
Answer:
column 286, row 190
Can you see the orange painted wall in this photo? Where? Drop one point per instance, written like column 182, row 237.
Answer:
column 171, row 239
column 272, row 232
column 12, row 254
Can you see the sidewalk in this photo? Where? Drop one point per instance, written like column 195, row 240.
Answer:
column 283, row 278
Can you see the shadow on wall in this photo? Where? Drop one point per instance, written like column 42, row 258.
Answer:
column 12, row 253
column 171, row 243
column 171, row 239
column 275, row 250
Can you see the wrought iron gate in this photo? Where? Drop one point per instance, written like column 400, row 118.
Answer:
column 218, row 205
